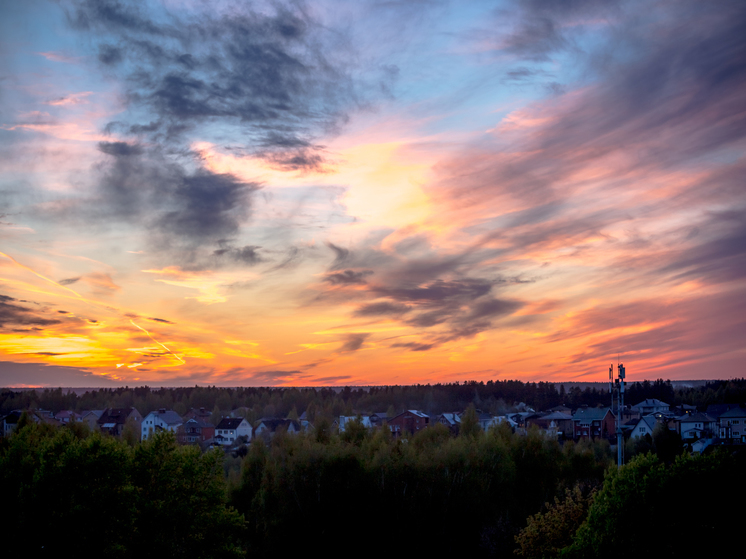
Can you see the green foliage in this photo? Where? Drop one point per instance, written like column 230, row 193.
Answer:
column 67, row 494
column 666, row 443
column 681, row 500
column 548, row 532
column 469, row 426
column 460, row 495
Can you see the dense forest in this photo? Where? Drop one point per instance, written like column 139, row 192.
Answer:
column 494, row 397
column 362, row 492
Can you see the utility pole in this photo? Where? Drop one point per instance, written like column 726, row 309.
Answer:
column 616, row 388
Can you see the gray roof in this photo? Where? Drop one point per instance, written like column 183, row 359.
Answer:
column 695, row 418
column 648, row 420
column 650, row 402
column 229, row 423
column 734, row 412
column 169, row 417
column 591, row 414
column 556, row 415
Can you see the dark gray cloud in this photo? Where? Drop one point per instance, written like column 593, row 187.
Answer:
column 665, row 89
column 12, row 313
column 543, row 27
column 69, row 281
column 347, row 277
column 275, row 73
column 121, row 149
column 443, row 310
column 353, row 342
column 718, row 260
column 342, row 254
column 438, row 291
column 247, row 254
column 189, row 212
column 38, row 374
column 383, row 308
column 163, row 320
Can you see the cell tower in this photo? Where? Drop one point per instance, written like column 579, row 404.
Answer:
column 616, row 388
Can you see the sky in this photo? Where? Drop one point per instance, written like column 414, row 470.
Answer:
column 364, row 193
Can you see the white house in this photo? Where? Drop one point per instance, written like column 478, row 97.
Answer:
column 644, row 426
column 733, row 424
column 695, row 426
column 231, row 428
column 344, row 419
column 160, row 420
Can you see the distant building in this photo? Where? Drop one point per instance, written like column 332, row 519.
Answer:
column 650, row 405
column 160, row 420
column 345, row 419
column 195, row 431
column 593, row 423
column 732, row 424
column 267, row 427
column 409, row 421
column 231, row 428
column 644, row 426
column 695, row 426
column 113, row 420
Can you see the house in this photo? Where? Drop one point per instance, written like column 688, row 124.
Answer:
column 344, row 419
column 113, row 420
column 409, row 421
column 556, row 424
column 644, row 426
column 377, row 419
column 695, row 426
column 486, row 420
column 90, row 418
column 450, row 420
column 10, row 422
column 66, row 416
column 201, row 414
column 195, row 431
column 267, row 427
column 593, row 423
column 650, row 405
column 230, row 429
column 732, row 424
column 160, row 420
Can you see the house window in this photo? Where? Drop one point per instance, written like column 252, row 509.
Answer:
column 736, row 421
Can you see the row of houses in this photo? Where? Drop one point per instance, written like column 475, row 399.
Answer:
column 726, row 421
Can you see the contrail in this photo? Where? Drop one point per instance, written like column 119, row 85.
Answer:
column 37, row 274
column 156, row 341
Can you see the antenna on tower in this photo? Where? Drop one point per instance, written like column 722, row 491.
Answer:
column 616, row 388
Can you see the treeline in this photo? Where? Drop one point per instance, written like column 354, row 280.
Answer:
column 431, row 494
column 69, row 491
column 359, row 492
column 688, row 507
column 480, row 494
column 495, row 397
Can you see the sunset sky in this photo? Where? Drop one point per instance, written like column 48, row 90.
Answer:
column 337, row 192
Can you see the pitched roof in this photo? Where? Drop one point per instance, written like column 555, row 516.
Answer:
column 169, row 417
column 648, row 420
column 695, row 418
column 272, row 423
column 556, row 415
column 229, row 423
column 734, row 412
column 590, row 414
column 115, row 415
column 650, row 402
